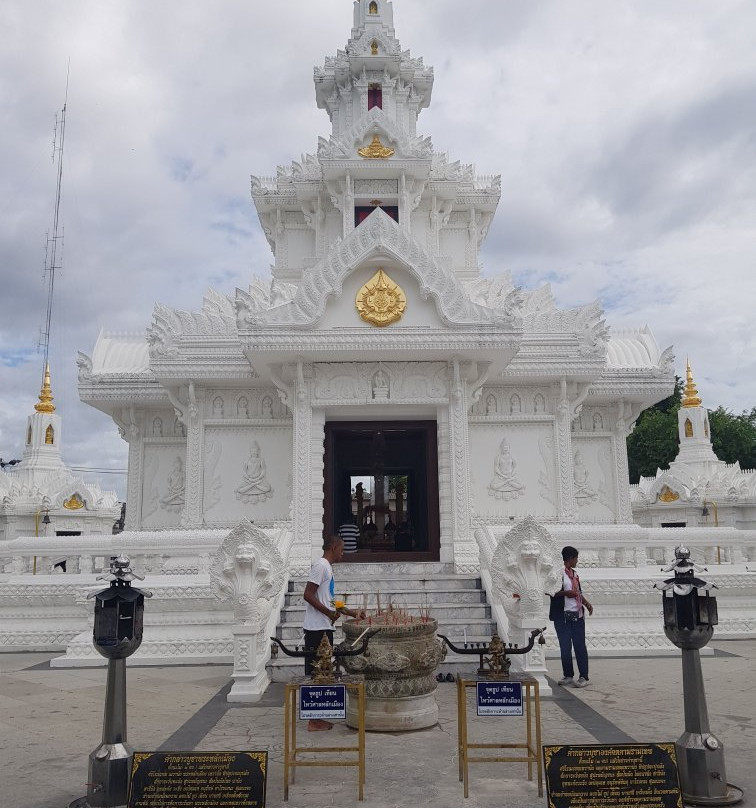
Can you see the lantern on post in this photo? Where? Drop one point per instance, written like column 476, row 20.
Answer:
column 117, row 634
column 690, row 614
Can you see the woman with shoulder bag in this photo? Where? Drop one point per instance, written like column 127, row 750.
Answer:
column 567, row 610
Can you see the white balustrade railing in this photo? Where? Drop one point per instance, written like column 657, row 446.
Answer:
column 163, row 552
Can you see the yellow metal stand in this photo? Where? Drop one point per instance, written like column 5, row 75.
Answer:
column 355, row 686
column 532, row 709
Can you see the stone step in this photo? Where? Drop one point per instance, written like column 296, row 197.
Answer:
column 395, row 569
column 390, row 584
column 413, row 599
column 294, row 613
column 453, row 628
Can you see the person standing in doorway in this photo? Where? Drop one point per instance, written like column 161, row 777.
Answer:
column 320, row 614
column 349, row 533
column 569, row 621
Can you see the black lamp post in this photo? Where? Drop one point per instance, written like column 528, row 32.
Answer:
column 690, row 614
column 118, row 622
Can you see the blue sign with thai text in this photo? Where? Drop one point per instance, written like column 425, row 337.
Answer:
column 499, row 698
column 322, row 701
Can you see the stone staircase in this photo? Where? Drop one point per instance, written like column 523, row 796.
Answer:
column 458, row 602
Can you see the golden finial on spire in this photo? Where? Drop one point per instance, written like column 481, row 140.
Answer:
column 45, row 403
column 690, row 394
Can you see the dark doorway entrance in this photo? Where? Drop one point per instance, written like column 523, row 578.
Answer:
column 383, row 476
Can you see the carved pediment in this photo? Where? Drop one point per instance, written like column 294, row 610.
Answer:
column 376, row 122
column 380, row 235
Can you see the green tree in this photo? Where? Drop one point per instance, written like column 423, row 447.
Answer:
column 734, row 436
column 653, row 443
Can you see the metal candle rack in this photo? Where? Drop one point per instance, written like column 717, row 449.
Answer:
column 494, row 655
column 327, row 668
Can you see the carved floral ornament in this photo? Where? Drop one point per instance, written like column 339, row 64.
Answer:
column 380, row 301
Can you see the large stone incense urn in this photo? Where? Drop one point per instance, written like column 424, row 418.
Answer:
column 399, row 669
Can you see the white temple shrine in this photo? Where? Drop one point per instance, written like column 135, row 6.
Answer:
column 698, row 489
column 470, row 427
column 41, row 496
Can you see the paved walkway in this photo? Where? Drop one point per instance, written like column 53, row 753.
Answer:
column 50, row 719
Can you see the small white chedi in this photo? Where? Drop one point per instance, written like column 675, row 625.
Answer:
column 41, row 496
column 698, row 489
column 376, row 313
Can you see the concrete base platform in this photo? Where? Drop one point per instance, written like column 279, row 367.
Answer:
column 51, row 719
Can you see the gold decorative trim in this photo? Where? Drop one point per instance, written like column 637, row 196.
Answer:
column 75, row 503
column 380, row 302
column 668, row 495
column 260, row 757
column 45, row 396
column 376, row 150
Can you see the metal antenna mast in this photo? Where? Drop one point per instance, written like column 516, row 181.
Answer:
column 53, row 256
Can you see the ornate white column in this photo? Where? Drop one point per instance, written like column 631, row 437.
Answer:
column 465, row 548
column 130, row 430
column 619, row 446
column 567, row 511
column 307, row 471
column 193, row 420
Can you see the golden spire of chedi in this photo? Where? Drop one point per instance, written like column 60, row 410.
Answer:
column 690, row 394
column 45, row 403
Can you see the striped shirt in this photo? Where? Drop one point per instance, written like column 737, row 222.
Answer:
column 349, row 533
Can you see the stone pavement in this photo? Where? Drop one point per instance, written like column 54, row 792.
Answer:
column 50, row 719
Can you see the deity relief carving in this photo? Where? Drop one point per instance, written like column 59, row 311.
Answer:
column 242, row 407
column 267, row 407
column 539, row 403
column 380, row 384
column 174, row 497
column 255, row 487
column 505, row 484
column 491, row 405
column 157, row 427
column 217, row 407
column 585, row 494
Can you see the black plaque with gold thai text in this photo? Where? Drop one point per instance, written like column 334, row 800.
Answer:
column 641, row 775
column 198, row 780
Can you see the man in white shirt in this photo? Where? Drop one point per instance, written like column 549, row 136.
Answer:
column 320, row 614
column 569, row 624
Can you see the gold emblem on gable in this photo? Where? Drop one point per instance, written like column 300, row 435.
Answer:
column 668, row 495
column 376, row 150
column 74, row 503
column 380, row 301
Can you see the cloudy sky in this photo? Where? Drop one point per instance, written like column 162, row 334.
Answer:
column 624, row 131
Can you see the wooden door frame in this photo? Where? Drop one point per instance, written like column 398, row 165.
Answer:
column 430, row 428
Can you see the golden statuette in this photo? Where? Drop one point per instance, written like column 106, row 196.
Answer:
column 376, row 150
column 690, row 394
column 75, row 503
column 380, row 301
column 45, row 403
column 668, row 495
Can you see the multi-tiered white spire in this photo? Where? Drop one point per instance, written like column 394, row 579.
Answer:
column 374, row 92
